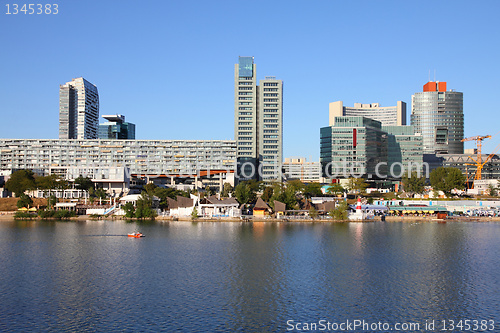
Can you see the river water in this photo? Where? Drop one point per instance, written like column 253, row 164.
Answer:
column 247, row 277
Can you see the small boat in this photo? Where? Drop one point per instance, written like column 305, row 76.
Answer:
column 136, row 235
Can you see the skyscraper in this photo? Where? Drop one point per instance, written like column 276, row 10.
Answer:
column 438, row 115
column 258, row 122
column 78, row 110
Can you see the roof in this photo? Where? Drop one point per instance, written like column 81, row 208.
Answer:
column 279, row 206
column 260, row 204
column 183, row 202
column 215, row 201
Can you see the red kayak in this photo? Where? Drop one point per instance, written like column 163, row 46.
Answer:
column 136, row 235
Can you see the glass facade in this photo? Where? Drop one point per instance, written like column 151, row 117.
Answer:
column 354, row 146
column 439, row 117
column 359, row 146
column 245, row 67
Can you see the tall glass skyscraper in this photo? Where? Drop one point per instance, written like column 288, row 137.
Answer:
column 78, row 110
column 258, row 122
column 439, row 116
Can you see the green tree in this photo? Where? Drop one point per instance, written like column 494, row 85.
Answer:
column 51, row 201
column 285, row 195
column 313, row 213
column 413, row 183
column 101, row 193
column 246, row 192
column 340, row 212
column 50, row 182
column 312, row 190
column 20, row 181
column 208, row 191
column 166, row 192
column 296, row 186
column 129, row 210
column 446, row 179
column 144, row 208
column 226, row 190
column 150, row 188
column 267, row 194
column 84, row 183
column 357, row 185
column 335, row 189
column 24, row 201
column 194, row 214
column 493, row 190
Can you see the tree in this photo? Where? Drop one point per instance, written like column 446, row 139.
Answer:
column 295, row 186
column 357, row 185
column 340, row 211
column 312, row 190
column 335, row 189
column 24, row 201
column 150, row 188
column 101, row 193
column 51, row 201
column 493, row 190
column 194, row 214
column 84, row 183
column 246, row 192
column 226, row 190
column 413, row 183
column 144, row 208
column 129, row 210
column 20, row 181
column 208, row 191
column 285, row 195
column 313, row 213
column 446, row 179
column 166, row 192
column 268, row 193
column 50, row 182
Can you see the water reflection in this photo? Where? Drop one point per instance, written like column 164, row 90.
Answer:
column 243, row 276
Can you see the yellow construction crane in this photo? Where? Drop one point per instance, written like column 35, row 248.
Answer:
column 479, row 164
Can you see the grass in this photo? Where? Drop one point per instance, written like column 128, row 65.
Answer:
column 9, row 204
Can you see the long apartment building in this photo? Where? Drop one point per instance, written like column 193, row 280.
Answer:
column 258, row 122
column 174, row 158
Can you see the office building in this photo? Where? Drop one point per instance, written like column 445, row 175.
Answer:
column 299, row 168
column 404, row 148
column 362, row 147
column 116, row 128
column 78, row 110
column 438, row 115
column 388, row 115
column 258, row 122
column 353, row 147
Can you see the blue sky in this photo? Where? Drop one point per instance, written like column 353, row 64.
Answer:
column 168, row 66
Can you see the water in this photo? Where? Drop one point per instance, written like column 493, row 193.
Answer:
column 237, row 277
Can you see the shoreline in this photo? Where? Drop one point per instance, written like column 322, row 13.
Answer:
column 9, row 216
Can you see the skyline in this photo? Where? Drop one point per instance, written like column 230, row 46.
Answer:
column 159, row 62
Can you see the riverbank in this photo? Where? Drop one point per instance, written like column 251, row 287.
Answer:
column 9, row 216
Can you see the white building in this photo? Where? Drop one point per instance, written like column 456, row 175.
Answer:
column 78, row 110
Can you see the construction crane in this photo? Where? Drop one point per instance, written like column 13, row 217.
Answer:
column 479, row 164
